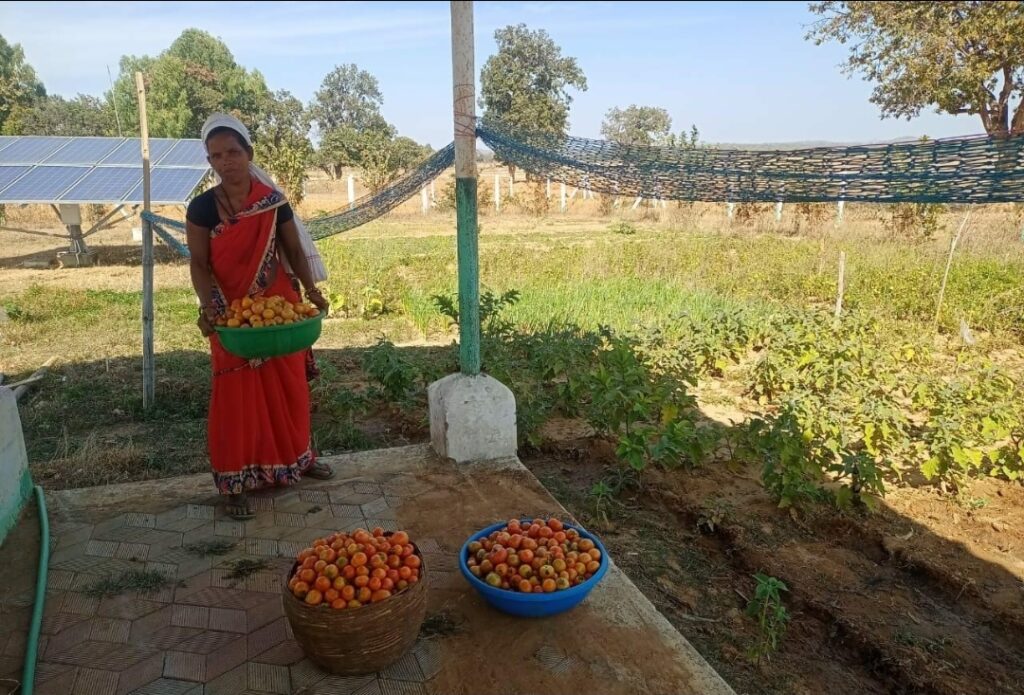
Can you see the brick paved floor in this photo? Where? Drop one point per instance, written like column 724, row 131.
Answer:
column 210, row 634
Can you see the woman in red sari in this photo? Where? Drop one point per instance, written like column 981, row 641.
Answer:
column 244, row 242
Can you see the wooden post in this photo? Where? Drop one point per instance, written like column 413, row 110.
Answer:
column 549, row 189
column 949, row 263
column 636, row 203
column 839, row 212
column 464, row 107
column 778, row 211
column 497, row 192
column 564, row 205
column 351, row 191
column 730, row 210
column 424, row 200
column 148, row 371
column 841, row 285
column 433, row 197
column 511, row 186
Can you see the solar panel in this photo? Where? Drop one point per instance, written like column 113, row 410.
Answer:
column 43, row 184
column 9, row 175
column 30, row 149
column 103, row 185
column 39, row 169
column 130, row 153
column 169, row 185
column 187, row 153
column 84, row 151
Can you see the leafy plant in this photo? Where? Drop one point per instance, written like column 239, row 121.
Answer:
column 624, row 228
column 771, row 615
column 396, row 376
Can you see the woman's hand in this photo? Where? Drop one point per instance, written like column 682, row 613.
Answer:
column 314, row 295
column 207, row 320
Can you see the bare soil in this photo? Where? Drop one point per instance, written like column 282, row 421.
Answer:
column 923, row 596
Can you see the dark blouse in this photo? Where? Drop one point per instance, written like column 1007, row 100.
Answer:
column 202, row 211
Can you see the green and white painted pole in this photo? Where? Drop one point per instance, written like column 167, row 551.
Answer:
column 472, row 415
column 464, row 93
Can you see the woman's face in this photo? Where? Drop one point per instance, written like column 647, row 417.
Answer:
column 228, row 157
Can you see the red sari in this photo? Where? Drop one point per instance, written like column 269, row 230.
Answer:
column 259, row 422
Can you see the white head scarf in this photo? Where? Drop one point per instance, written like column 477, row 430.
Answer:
column 316, row 264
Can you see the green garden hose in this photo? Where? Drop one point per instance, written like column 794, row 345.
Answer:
column 28, row 674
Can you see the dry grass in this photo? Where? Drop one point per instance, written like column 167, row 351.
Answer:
column 91, row 460
column 142, row 581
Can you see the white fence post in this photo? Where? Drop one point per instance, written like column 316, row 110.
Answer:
column 351, row 190
column 497, row 192
column 564, row 205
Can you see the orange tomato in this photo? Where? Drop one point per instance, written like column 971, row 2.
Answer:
column 314, row 597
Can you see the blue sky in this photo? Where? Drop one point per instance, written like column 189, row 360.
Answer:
column 742, row 72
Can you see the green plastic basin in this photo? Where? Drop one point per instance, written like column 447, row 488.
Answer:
column 271, row 341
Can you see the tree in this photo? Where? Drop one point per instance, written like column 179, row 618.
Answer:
column 525, row 85
column 348, row 97
column 340, row 147
column 408, row 153
column 637, row 125
column 684, row 140
column 55, row 115
column 281, row 141
column 384, row 157
column 960, row 57
column 346, row 109
column 378, row 160
column 19, row 87
column 193, row 78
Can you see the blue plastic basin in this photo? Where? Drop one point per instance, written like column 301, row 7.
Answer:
column 532, row 605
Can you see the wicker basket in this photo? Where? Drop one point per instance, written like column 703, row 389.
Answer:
column 364, row 640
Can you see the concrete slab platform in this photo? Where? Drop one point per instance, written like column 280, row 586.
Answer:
column 213, row 634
